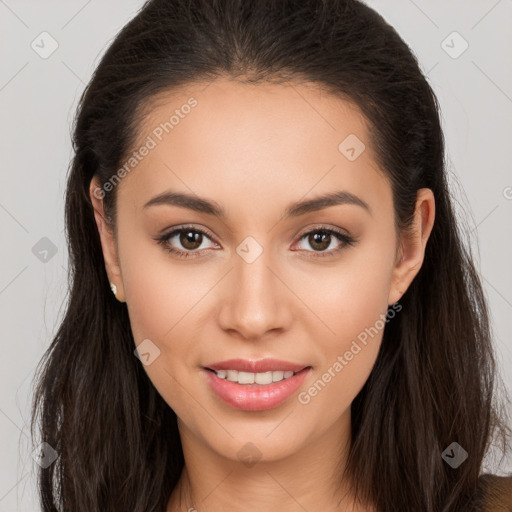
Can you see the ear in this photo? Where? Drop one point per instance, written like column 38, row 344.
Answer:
column 108, row 243
column 412, row 245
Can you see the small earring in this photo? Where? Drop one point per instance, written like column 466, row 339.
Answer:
column 113, row 287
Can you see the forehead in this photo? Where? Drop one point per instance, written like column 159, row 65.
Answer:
column 252, row 141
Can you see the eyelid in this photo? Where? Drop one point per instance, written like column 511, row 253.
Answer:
column 321, row 227
column 191, row 227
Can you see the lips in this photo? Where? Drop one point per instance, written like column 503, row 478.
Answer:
column 254, row 397
column 264, row 365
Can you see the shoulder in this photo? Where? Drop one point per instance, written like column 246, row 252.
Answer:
column 495, row 492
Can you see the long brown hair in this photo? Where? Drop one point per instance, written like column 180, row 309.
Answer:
column 434, row 380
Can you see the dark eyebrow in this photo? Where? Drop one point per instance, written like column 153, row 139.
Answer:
column 321, row 202
column 189, row 201
column 209, row 207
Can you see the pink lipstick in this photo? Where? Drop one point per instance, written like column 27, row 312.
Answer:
column 255, row 385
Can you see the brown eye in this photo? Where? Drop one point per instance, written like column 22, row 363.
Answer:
column 184, row 242
column 319, row 240
column 190, row 239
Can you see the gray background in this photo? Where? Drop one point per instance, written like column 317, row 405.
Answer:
column 38, row 97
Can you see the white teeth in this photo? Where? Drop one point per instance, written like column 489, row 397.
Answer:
column 245, row 378
column 277, row 376
column 264, row 378
column 253, row 378
column 232, row 375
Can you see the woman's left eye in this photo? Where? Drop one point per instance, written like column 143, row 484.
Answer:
column 191, row 240
column 322, row 238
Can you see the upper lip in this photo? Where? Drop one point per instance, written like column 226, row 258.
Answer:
column 264, row 365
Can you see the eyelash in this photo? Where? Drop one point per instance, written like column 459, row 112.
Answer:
column 347, row 241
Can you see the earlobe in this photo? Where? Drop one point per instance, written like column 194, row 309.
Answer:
column 412, row 245
column 108, row 244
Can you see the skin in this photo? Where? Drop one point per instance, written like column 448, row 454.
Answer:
column 255, row 149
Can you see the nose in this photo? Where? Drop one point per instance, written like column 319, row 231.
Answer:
column 254, row 300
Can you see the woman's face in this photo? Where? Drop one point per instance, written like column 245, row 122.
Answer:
column 264, row 282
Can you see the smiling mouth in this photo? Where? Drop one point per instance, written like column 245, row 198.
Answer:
column 251, row 392
column 263, row 378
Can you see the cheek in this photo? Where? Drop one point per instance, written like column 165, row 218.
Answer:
column 160, row 290
column 351, row 299
column 164, row 300
column 351, row 296
column 167, row 304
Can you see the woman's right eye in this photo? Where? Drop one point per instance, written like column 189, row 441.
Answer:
column 188, row 238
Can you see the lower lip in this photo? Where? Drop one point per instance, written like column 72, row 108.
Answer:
column 255, row 397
